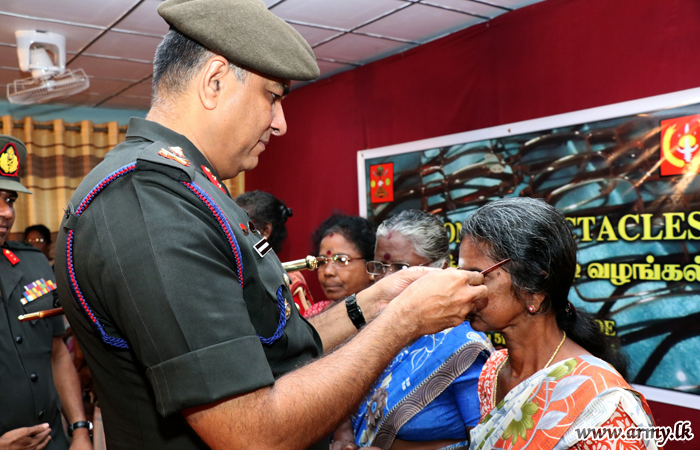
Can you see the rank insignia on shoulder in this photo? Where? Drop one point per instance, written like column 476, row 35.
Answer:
column 212, row 178
column 174, row 155
column 263, row 247
column 37, row 289
column 177, row 151
column 10, row 256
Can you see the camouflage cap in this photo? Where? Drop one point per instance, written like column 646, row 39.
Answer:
column 13, row 154
column 246, row 33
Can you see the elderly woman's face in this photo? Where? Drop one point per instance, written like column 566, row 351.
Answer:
column 500, row 309
column 394, row 248
column 340, row 280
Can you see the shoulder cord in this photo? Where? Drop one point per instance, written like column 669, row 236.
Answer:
column 233, row 243
column 73, row 279
column 221, row 220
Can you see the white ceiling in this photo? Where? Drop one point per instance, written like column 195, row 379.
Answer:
column 114, row 41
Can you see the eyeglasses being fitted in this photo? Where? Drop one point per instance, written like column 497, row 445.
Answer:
column 380, row 268
column 336, row 260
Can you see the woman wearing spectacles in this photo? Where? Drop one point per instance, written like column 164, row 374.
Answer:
column 343, row 244
column 427, row 397
column 559, row 375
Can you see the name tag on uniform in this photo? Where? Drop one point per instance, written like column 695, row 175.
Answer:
column 37, row 289
column 263, row 247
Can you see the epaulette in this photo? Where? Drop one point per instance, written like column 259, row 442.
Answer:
column 169, row 160
column 18, row 246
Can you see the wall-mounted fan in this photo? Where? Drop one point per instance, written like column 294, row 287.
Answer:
column 44, row 55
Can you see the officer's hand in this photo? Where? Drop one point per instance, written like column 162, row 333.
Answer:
column 375, row 298
column 27, row 438
column 440, row 299
column 81, row 440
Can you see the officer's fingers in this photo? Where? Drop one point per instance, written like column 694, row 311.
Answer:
column 470, row 277
column 470, row 297
column 38, row 437
column 43, row 443
column 32, row 431
column 408, row 276
column 391, row 286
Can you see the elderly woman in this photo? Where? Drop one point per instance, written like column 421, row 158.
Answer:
column 552, row 380
column 427, row 396
column 343, row 244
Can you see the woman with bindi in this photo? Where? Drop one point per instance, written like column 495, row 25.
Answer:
column 558, row 373
column 342, row 245
column 410, row 238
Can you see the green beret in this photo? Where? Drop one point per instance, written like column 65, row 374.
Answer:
column 246, row 33
column 13, row 155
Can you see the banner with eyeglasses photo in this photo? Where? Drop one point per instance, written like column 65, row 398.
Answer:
column 626, row 178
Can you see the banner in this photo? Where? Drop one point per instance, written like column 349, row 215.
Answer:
column 625, row 176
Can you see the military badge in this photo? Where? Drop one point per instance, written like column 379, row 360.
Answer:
column 213, row 178
column 9, row 160
column 174, row 156
column 244, row 228
column 177, row 151
column 37, row 289
column 263, row 247
column 10, row 257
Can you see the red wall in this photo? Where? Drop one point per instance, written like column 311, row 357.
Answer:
column 549, row 58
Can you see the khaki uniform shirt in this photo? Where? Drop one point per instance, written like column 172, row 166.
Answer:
column 28, row 396
column 158, row 271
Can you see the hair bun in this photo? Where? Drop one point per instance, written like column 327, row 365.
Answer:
column 286, row 212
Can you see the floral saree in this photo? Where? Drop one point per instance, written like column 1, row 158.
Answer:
column 546, row 410
column 414, row 378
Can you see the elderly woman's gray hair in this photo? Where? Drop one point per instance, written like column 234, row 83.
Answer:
column 424, row 231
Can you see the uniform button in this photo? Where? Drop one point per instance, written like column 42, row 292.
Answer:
column 33, row 377
column 41, row 413
column 19, row 339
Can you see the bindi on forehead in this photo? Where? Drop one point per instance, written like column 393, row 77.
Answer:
column 328, row 252
column 387, row 256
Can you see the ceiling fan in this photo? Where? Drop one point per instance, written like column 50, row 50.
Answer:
column 44, row 55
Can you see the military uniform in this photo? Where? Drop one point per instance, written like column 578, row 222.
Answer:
column 160, row 273
column 28, row 396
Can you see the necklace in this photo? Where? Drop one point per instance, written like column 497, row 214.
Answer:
column 495, row 382
column 555, row 351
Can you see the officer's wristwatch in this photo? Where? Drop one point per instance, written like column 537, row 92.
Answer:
column 354, row 311
column 82, row 424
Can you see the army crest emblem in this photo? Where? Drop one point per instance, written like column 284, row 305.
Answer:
column 9, row 161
